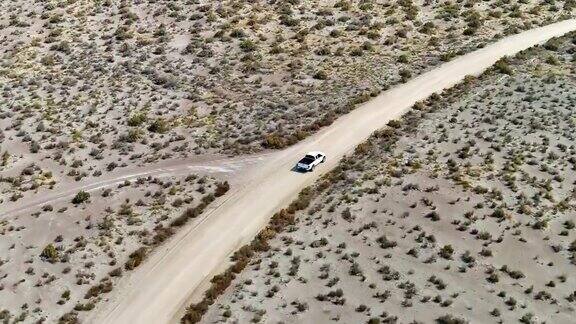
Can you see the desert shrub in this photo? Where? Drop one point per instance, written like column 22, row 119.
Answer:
column 84, row 307
column 274, row 141
column 159, row 126
column 193, row 212
column 81, row 197
column 467, row 257
column 553, row 44
column 403, row 58
column 115, row 273
column 362, row 148
column 161, row 234
column 540, row 224
column 34, row 147
column 321, row 75
column 136, row 258
column 63, row 47
column 221, row 188
column 493, row 278
column 434, row 216
column 101, row 288
column 123, row 33
column 303, row 201
column 137, row 119
column 499, row 213
column 218, row 284
column 405, row 74
column 111, row 166
column 446, row 251
column 248, row 45
column 69, row 318
column 394, row 123
column 50, row 254
column 385, row 243
column 356, row 51
column 514, row 274
column 450, row 319
column 552, row 60
column 527, row 318
column 503, row 66
column 177, row 202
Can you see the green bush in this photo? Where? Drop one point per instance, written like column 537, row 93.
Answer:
column 503, row 66
column 248, row 45
column 50, row 254
column 159, row 126
column 81, row 197
column 137, row 119
column 446, row 252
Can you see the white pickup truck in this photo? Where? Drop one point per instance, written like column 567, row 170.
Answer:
column 310, row 160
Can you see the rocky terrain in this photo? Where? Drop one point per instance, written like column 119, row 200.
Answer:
column 461, row 212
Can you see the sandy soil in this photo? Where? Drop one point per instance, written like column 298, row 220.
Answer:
column 171, row 276
column 463, row 212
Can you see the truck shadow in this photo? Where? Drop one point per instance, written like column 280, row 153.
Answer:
column 298, row 170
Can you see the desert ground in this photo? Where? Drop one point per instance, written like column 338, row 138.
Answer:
column 123, row 125
column 64, row 256
column 461, row 211
column 182, row 271
column 100, row 85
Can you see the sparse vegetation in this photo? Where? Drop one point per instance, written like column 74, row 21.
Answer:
column 428, row 213
column 91, row 89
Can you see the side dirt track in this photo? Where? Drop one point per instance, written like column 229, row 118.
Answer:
column 169, row 280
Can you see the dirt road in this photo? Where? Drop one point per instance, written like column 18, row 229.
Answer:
column 164, row 285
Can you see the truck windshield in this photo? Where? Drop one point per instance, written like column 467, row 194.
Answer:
column 307, row 159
